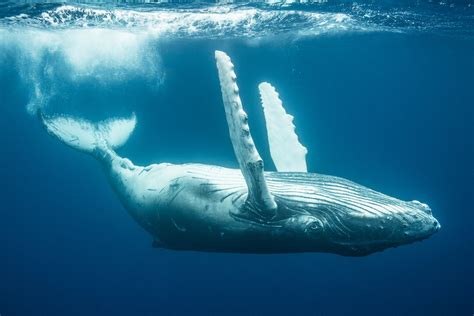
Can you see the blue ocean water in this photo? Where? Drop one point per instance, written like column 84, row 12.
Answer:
column 382, row 94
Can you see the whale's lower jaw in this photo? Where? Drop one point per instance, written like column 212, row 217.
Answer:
column 256, row 243
column 262, row 246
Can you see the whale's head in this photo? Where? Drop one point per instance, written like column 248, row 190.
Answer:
column 373, row 223
column 341, row 216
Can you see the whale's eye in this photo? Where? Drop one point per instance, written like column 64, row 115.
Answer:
column 313, row 226
column 310, row 225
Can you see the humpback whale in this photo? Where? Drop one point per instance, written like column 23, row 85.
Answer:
column 247, row 210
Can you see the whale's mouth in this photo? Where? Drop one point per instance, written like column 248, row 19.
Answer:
column 374, row 237
column 368, row 246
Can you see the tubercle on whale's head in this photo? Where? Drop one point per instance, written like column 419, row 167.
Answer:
column 422, row 223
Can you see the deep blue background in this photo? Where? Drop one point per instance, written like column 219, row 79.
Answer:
column 390, row 111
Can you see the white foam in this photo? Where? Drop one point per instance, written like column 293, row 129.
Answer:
column 71, row 43
column 88, row 52
column 210, row 21
column 47, row 58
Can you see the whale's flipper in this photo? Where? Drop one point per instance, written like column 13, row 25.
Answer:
column 86, row 136
column 287, row 152
column 247, row 155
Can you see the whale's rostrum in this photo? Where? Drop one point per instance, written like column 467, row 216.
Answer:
column 247, row 210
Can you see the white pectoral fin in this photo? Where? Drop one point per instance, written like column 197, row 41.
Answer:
column 250, row 162
column 287, row 152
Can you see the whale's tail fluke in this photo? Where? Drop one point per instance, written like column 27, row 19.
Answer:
column 89, row 137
